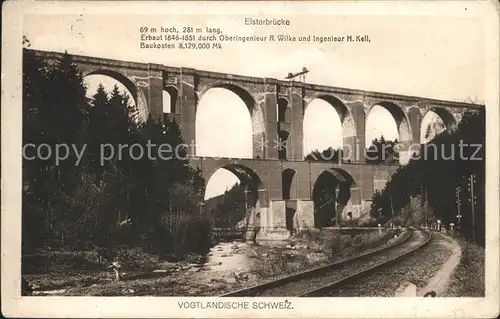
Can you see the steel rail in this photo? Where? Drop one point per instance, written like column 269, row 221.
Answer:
column 328, row 288
column 255, row 290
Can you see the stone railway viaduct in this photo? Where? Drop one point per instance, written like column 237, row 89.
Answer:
column 280, row 184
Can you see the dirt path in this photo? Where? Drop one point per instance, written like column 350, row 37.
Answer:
column 440, row 280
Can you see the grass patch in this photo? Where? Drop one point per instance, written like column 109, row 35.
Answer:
column 469, row 277
column 281, row 264
column 348, row 245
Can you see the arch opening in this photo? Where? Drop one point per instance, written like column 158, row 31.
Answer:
column 227, row 123
column 328, row 125
column 387, row 119
column 283, row 111
column 169, row 96
column 287, row 185
column 435, row 122
column 387, row 134
column 331, row 193
column 137, row 102
column 232, row 194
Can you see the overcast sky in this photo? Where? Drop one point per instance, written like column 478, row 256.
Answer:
column 434, row 57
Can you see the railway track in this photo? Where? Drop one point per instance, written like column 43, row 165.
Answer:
column 421, row 239
column 318, row 281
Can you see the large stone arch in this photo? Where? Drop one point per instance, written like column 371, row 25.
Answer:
column 404, row 127
column 446, row 116
column 448, row 123
column 402, row 122
column 255, row 194
column 330, row 193
column 248, row 177
column 256, row 113
column 347, row 121
column 133, row 87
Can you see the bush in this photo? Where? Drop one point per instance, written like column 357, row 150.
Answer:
column 349, row 244
column 365, row 221
column 310, row 235
column 179, row 234
column 281, row 264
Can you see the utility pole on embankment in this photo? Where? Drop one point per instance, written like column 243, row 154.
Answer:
column 426, row 205
column 472, row 200
column 459, row 216
column 392, row 205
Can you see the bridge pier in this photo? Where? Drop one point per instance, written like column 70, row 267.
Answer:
column 268, row 222
column 304, row 217
column 273, row 219
column 282, row 217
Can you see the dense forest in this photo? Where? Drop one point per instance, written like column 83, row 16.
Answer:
column 84, row 202
column 439, row 178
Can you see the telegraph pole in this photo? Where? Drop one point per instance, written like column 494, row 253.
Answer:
column 201, row 208
column 472, row 200
column 459, row 216
column 392, row 206
column 246, row 198
column 245, row 191
column 426, row 205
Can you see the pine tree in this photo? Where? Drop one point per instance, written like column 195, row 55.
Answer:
column 82, row 206
column 100, row 98
column 381, row 150
column 439, row 177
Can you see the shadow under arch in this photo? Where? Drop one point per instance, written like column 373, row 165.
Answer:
column 402, row 122
column 288, row 188
column 331, row 193
column 256, row 113
column 284, row 112
column 141, row 104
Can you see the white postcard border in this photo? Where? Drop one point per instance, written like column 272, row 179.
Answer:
column 57, row 307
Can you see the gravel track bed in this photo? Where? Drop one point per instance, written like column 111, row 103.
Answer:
column 300, row 287
column 418, row 268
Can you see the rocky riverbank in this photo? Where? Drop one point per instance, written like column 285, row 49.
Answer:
column 228, row 266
